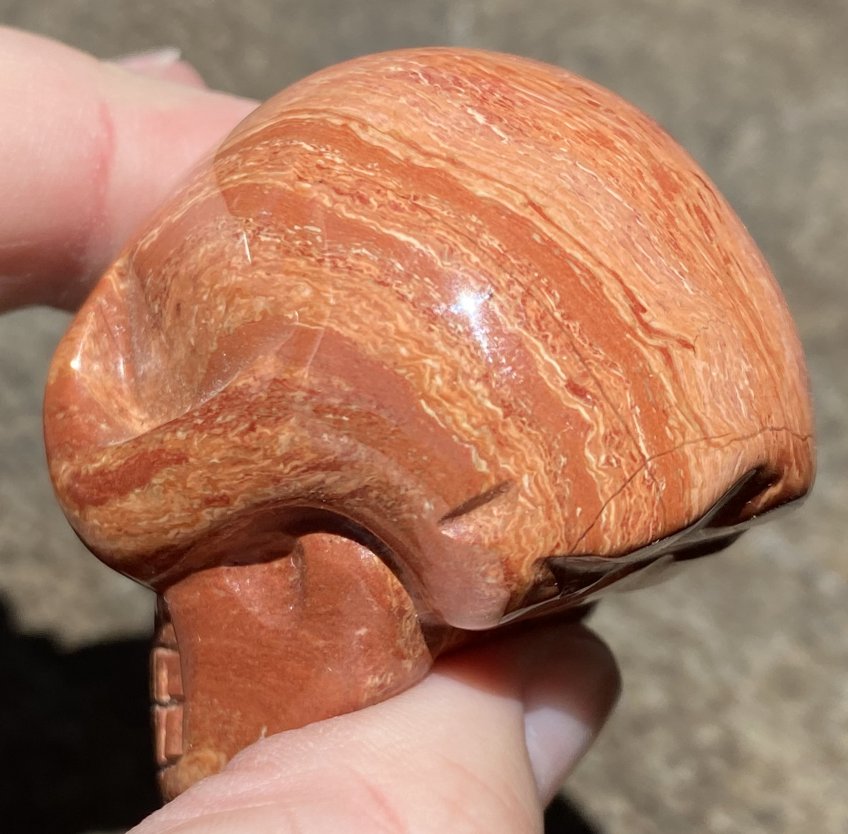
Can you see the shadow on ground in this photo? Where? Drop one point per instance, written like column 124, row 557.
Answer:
column 74, row 735
column 563, row 817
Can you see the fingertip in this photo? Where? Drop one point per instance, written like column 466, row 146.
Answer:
column 567, row 699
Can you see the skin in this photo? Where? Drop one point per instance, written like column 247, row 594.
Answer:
column 484, row 742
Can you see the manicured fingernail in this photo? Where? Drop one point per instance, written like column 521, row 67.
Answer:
column 140, row 61
column 565, row 706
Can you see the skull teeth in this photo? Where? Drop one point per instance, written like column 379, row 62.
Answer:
column 168, row 698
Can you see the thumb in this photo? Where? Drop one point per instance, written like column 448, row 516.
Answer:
column 481, row 745
column 88, row 149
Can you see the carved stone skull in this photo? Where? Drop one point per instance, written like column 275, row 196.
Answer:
column 436, row 340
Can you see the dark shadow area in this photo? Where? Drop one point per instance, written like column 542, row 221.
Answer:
column 74, row 735
column 563, row 817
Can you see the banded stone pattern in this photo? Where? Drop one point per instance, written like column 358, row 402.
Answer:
column 435, row 337
column 474, row 305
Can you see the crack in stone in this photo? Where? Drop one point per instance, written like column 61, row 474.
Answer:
column 648, row 460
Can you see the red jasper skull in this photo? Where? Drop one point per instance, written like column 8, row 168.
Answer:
column 436, row 339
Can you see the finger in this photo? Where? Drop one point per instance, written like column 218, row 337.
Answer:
column 568, row 683
column 88, row 149
column 450, row 754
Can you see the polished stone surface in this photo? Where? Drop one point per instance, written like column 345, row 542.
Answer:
column 734, row 710
column 462, row 311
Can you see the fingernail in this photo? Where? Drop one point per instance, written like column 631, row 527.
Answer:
column 150, row 59
column 555, row 741
column 565, row 705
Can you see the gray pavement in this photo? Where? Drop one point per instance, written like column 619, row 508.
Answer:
column 735, row 711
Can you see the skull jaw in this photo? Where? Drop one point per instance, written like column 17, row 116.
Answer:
column 246, row 651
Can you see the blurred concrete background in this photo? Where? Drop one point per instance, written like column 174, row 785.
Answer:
column 735, row 711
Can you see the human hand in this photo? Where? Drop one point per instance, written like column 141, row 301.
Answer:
column 482, row 744
column 88, row 149
column 485, row 740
